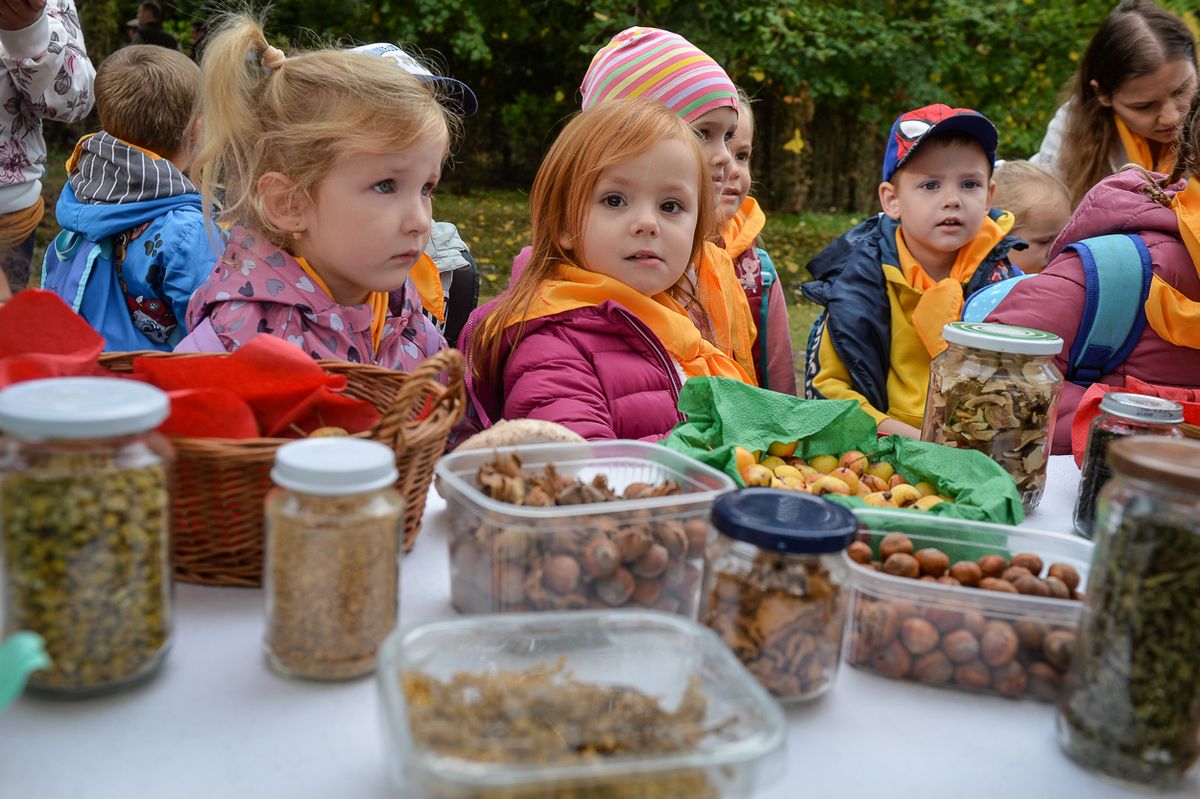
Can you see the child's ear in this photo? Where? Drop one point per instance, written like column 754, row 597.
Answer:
column 1104, row 99
column 889, row 201
column 991, row 192
column 282, row 202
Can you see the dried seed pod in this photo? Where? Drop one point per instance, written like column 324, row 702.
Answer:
column 967, row 573
column 1066, row 573
column 933, row 667
column 902, row 565
column 1029, row 561
column 632, row 542
column 1010, row 679
column 999, row 644
column 1059, row 647
column 932, row 561
column 892, row 660
column 1013, row 573
column 560, row 573
column 615, row 589
column 995, row 584
column 972, row 675
column 601, row 557
column 859, row 552
column 961, row 646
column 652, row 563
column 671, row 535
column 893, row 543
column 919, row 636
column 992, row 565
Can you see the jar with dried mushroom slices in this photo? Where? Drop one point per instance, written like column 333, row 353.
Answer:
column 995, row 389
column 84, row 525
column 776, row 587
column 334, row 531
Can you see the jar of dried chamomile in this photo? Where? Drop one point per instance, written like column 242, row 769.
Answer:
column 84, row 523
column 334, row 535
column 995, row 388
column 776, row 586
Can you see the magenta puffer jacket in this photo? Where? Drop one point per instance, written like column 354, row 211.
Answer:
column 1054, row 299
column 597, row 370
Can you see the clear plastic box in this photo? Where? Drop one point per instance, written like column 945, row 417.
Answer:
column 739, row 747
column 960, row 636
column 647, row 552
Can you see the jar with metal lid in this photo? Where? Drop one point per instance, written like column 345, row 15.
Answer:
column 84, row 518
column 1121, row 415
column 334, row 533
column 995, row 389
column 776, row 589
column 1131, row 703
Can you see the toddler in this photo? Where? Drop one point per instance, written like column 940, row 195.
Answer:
column 592, row 334
column 1040, row 205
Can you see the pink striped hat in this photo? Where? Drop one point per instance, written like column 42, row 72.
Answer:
column 648, row 62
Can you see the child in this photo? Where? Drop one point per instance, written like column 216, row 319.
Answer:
column 592, row 335
column 1040, row 205
column 327, row 161
column 774, row 364
column 891, row 284
column 127, row 197
column 1165, row 333
column 1132, row 88
column 648, row 62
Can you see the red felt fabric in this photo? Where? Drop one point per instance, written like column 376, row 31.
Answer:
column 1089, row 407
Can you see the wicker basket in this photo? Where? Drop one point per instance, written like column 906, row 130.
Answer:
column 219, row 484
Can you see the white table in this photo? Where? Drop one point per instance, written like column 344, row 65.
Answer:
column 217, row 723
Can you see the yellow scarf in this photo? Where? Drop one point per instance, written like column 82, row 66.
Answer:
column 578, row 288
column 378, row 300
column 425, row 277
column 1175, row 317
column 16, row 226
column 721, row 295
column 740, row 231
column 1137, row 150
column 942, row 300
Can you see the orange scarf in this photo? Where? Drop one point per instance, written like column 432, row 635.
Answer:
column 721, row 295
column 942, row 300
column 578, row 288
column 1175, row 317
column 378, row 300
column 16, row 226
column 1137, row 150
column 425, row 277
column 743, row 228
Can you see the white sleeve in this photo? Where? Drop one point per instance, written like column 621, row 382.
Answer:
column 48, row 64
column 1047, row 155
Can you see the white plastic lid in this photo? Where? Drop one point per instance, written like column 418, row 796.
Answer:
column 1002, row 338
column 333, row 466
column 1141, row 407
column 81, row 408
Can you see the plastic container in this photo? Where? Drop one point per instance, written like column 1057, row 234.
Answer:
column 334, row 532
column 777, row 585
column 1121, row 415
column 646, row 552
column 1131, row 708
column 84, row 519
column 995, row 388
column 724, row 733
column 1007, row 644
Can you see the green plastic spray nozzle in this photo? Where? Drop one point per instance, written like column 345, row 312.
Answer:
column 20, row 655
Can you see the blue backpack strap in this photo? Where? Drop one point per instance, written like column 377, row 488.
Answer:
column 984, row 301
column 1116, row 268
column 68, row 265
column 769, row 276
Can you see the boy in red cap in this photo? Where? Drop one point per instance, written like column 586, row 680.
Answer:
column 891, row 283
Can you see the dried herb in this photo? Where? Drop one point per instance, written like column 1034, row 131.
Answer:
column 1094, row 476
column 1132, row 706
column 782, row 617
column 85, row 553
column 545, row 716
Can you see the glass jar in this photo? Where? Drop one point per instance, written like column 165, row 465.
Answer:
column 1131, row 704
column 776, row 586
column 1121, row 415
column 995, row 389
column 334, row 534
column 84, row 520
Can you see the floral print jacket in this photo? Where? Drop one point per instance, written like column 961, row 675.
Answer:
column 47, row 76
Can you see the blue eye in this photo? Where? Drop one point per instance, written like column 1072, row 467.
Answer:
column 427, row 189
column 929, row 185
column 972, row 184
column 384, row 187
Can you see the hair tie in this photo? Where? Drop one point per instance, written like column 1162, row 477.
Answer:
column 273, row 57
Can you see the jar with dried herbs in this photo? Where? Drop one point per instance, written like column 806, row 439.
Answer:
column 1121, row 415
column 1131, row 705
column 334, row 528
column 995, row 388
column 774, row 587
column 84, row 519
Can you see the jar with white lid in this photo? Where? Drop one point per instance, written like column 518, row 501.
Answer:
column 995, row 389
column 84, row 519
column 334, row 535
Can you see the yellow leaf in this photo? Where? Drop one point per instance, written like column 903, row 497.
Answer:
column 559, row 96
column 598, row 15
column 758, row 75
column 795, row 144
column 1074, row 56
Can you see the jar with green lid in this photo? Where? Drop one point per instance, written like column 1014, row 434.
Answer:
column 84, row 520
column 334, row 535
column 1131, row 704
column 776, row 588
column 995, row 389
column 1121, row 415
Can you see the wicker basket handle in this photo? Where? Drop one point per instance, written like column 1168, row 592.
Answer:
column 423, row 397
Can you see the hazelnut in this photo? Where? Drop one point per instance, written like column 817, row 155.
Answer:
column 1058, row 589
column 919, row 636
column 1044, row 682
column 1010, row 679
column 1059, row 647
column 1029, row 561
column 992, row 565
column 632, row 542
column 1013, row 572
column 975, row 622
column 652, row 563
column 560, row 573
column 1033, row 586
column 859, row 552
column 893, row 543
column 601, row 557
column 510, row 544
column 933, row 667
column 933, row 562
column 510, row 584
column 647, row 592
column 944, row 619
column 615, row 589
column 1030, row 633
column 994, row 584
column 999, row 644
column 893, row 660
column 697, row 531
column 972, row 675
column 961, row 646
column 879, row 624
column 902, row 565
column 1066, row 573
column 946, row 579
column 925, row 578
column 672, row 536
column 967, row 573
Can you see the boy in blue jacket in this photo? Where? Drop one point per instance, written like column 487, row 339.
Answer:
column 134, row 243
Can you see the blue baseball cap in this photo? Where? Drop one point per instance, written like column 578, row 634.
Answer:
column 457, row 94
column 912, row 127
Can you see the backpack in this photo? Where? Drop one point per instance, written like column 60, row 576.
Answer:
column 1116, row 267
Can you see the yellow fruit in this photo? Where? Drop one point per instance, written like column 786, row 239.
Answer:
column 777, row 483
column 772, row 462
column 794, row 483
column 758, row 475
column 328, row 432
column 846, row 476
column 928, row 501
column 797, row 462
column 824, row 463
column 880, row 499
column 926, row 489
column 897, row 480
column 782, row 450
column 853, row 460
column 863, row 489
column 828, row 484
column 788, row 471
column 881, row 469
column 811, row 475
column 743, row 458
column 905, row 494
column 873, row 483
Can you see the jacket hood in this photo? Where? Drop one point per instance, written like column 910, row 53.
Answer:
column 1118, row 204
column 101, row 220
